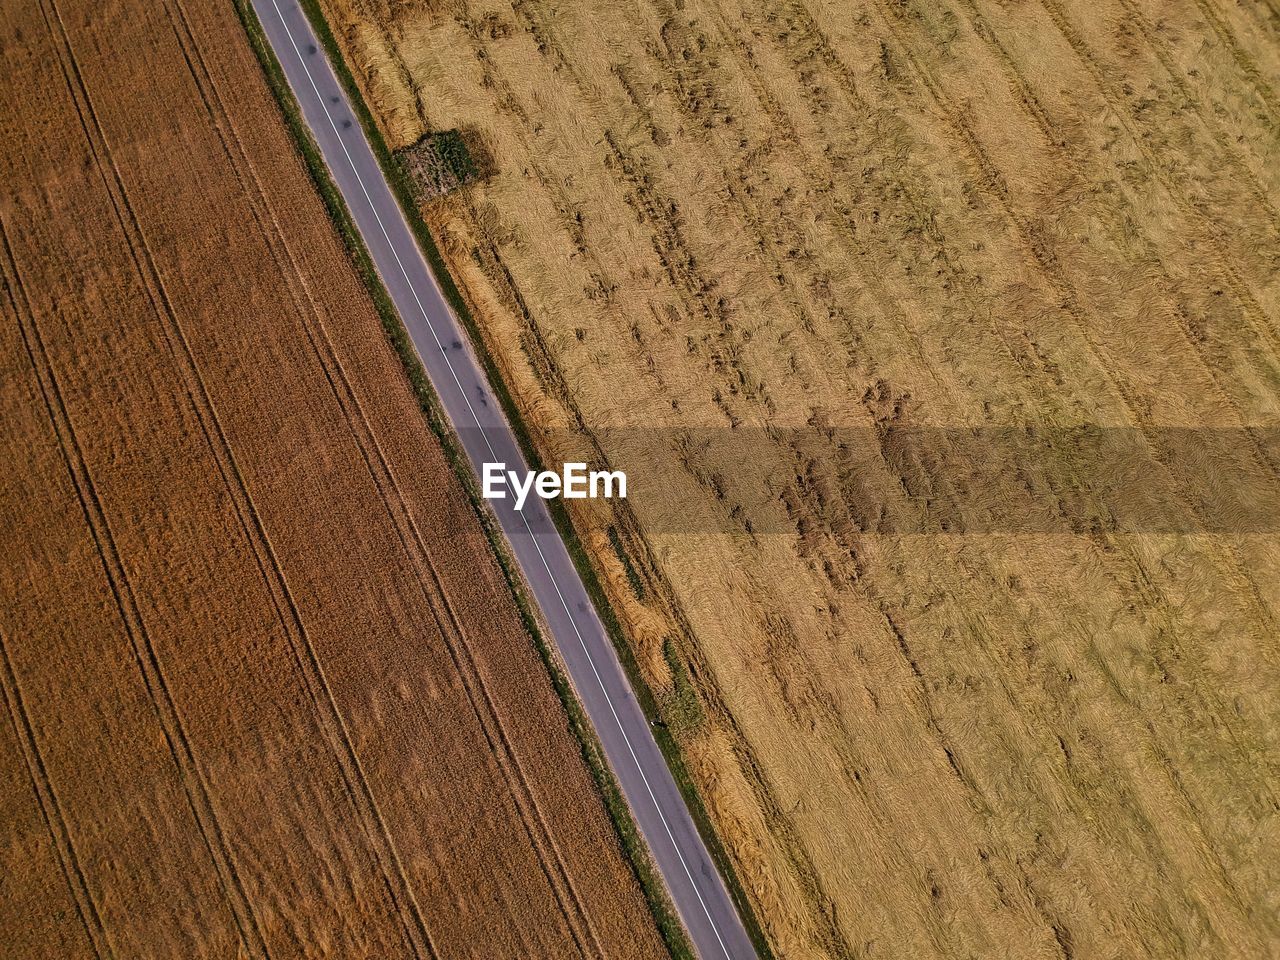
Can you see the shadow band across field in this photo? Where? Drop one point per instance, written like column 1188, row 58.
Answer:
column 901, row 480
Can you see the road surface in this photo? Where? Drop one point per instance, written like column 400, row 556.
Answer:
column 695, row 886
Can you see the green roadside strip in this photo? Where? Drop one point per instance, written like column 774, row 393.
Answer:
column 628, row 834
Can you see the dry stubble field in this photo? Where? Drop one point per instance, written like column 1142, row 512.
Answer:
column 948, row 692
column 265, row 693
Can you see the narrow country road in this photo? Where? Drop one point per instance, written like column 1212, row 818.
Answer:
column 692, row 880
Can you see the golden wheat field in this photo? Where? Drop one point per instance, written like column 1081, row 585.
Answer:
column 939, row 341
column 264, row 691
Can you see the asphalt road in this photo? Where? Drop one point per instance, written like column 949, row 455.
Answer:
column 692, row 880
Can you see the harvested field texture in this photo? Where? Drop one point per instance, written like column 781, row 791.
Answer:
column 265, row 690
column 939, row 342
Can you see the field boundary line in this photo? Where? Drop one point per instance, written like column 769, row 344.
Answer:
column 632, row 168
column 629, row 837
column 546, row 565
column 140, row 640
column 47, row 798
column 635, row 854
column 202, row 405
column 384, row 479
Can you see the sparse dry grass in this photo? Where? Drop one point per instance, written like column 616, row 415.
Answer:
column 820, row 225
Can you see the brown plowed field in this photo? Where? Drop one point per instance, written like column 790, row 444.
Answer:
column 940, row 342
column 264, row 691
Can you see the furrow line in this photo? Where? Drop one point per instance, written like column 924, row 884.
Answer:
column 1066, row 294
column 220, row 117
column 841, row 209
column 1242, row 59
column 233, row 479
column 1254, row 186
column 232, row 475
column 1258, row 319
column 1017, row 80
column 47, row 798
column 275, row 582
column 144, row 652
column 399, row 512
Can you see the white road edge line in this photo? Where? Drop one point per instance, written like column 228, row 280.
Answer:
column 467, row 400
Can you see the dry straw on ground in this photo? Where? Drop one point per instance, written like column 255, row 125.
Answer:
column 809, row 217
column 264, row 691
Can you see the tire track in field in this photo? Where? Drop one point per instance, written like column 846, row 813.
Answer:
column 1269, row 20
column 1231, row 563
column 772, row 241
column 1020, row 86
column 831, row 197
column 1241, row 57
column 821, row 910
column 140, row 640
column 1253, row 312
column 412, row 541
column 814, row 46
column 1262, row 458
column 1257, row 317
column 1151, row 597
column 1135, row 716
column 1037, row 246
column 233, row 479
column 415, row 924
column 1016, row 78
column 1072, row 155
column 820, row 903
column 50, row 808
column 1228, row 558
column 1225, row 149
column 1031, row 103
